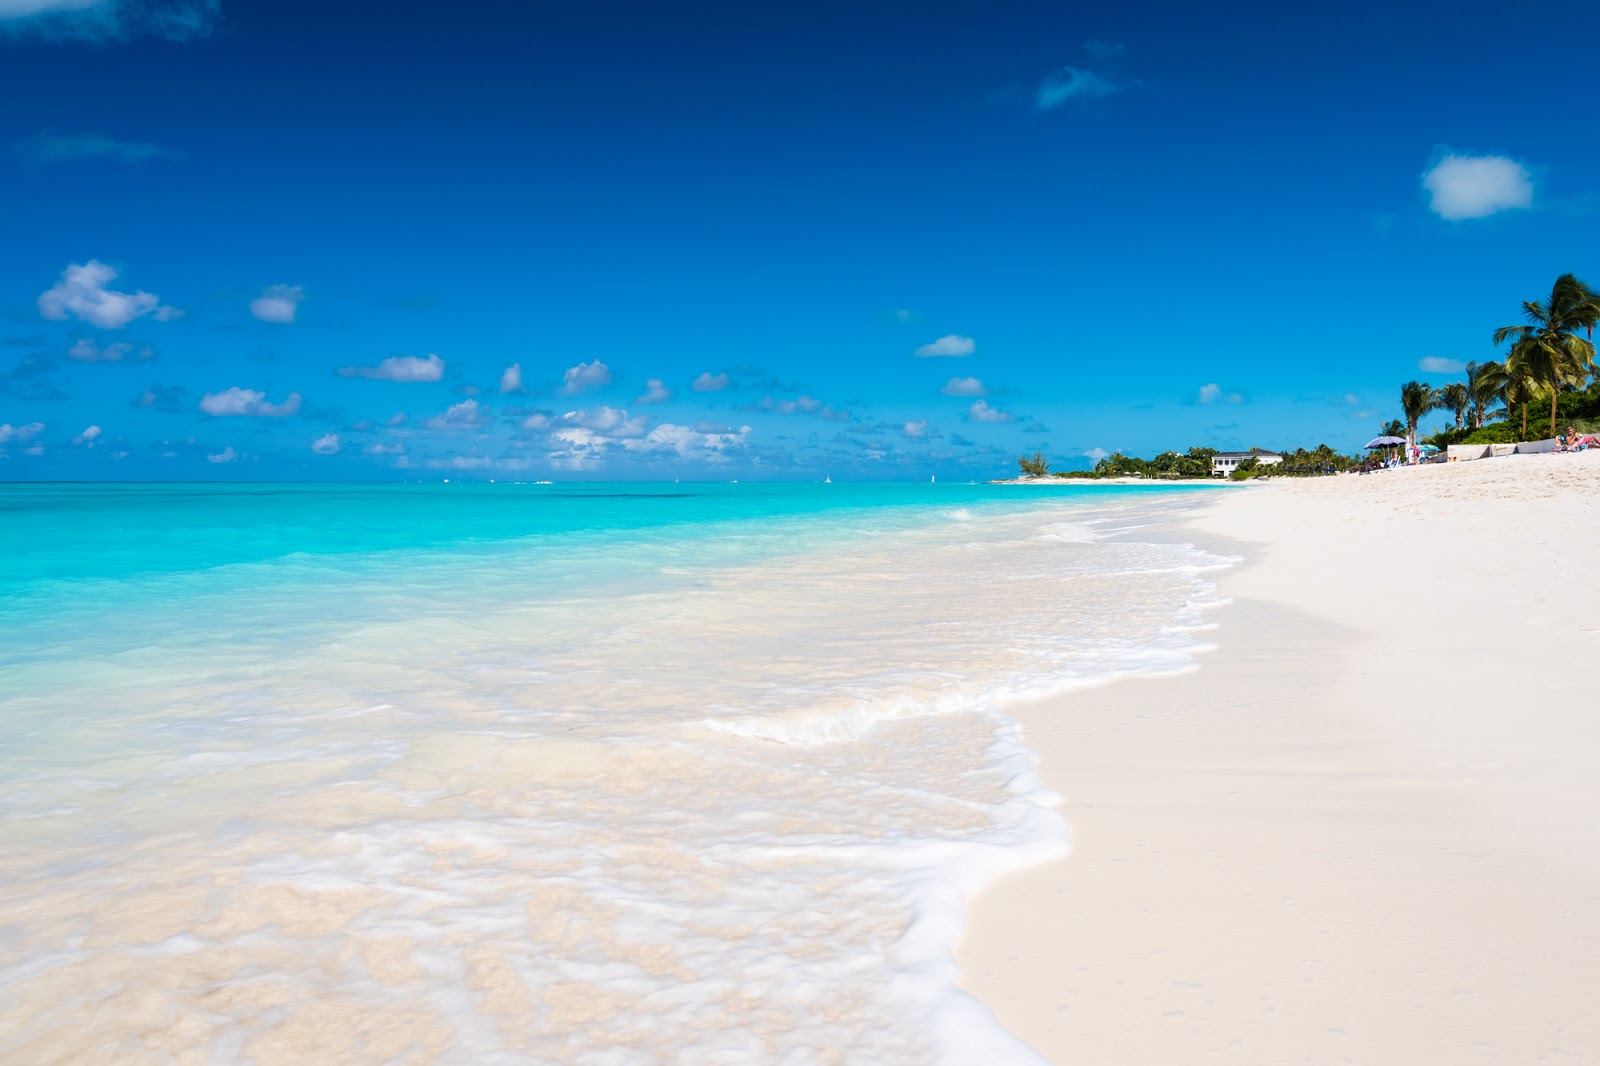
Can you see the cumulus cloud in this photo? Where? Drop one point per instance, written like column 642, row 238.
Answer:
column 1434, row 364
column 964, row 387
column 951, row 344
column 980, row 411
column 18, row 434
column 110, row 20
column 606, row 422
column 690, row 443
column 511, row 378
column 804, row 405
column 87, row 351
column 87, row 436
column 277, row 303
column 226, row 455
column 327, row 444
column 247, row 402
column 655, row 391
column 709, row 382
column 585, row 376
column 404, row 368
column 1096, row 454
column 917, row 430
column 468, row 414
column 1468, row 186
column 82, row 293
column 1212, row 392
column 49, row 148
column 381, row 448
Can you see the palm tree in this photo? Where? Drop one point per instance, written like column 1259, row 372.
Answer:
column 1392, row 428
column 1417, row 398
column 1456, row 398
column 1512, row 385
column 1548, row 352
column 1484, row 382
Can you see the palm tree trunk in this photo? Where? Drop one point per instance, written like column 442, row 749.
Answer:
column 1524, row 419
column 1552, row 412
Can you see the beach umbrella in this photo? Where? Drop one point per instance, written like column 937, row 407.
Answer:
column 1385, row 442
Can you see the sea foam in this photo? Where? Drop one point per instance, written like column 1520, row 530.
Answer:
column 725, row 814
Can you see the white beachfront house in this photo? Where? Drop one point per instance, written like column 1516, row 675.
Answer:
column 1225, row 463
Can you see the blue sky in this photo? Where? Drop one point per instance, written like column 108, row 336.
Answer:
column 289, row 241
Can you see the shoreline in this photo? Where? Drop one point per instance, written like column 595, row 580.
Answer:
column 1359, row 831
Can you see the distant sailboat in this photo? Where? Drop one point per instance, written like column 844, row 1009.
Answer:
column 828, row 480
column 932, row 478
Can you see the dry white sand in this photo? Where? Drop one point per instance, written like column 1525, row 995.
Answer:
column 1367, row 829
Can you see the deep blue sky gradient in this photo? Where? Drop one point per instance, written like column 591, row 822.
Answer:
column 758, row 191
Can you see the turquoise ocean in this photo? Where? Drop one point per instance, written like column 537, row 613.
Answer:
column 598, row 773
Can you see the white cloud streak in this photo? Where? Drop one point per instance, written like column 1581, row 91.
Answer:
column 952, row 345
column 237, row 402
column 964, row 387
column 709, row 382
column 327, row 444
column 401, row 368
column 511, row 379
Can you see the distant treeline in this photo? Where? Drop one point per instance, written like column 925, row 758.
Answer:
column 1196, row 463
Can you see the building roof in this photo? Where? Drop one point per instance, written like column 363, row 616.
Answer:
column 1257, row 452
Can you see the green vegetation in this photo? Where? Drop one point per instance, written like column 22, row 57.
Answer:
column 1196, row 463
column 1038, row 466
column 1547, row 362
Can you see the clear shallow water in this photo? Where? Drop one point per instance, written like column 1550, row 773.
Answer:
column 482, row 773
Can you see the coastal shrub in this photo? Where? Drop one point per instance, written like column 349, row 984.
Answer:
column 1037, row 466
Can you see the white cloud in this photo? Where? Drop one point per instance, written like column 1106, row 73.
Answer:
column 86, row 351
column 511, row 378
column 226, row 455
column 655, row 391
column 277, row 303
column 980, row 411
column 397, row 419
column 384, row 449
column 247, row 402
column 327, row 444
column 917, row 430
column 1213, row 392
column 82, row 293
column 951, row 344
column 1096, row 454
column 26, row 431
column 1466, row 186
column 468, row 414
column 585, row 376
column 690, row 443
column 87, row 436
column 404, row 368
column 964, row 387
column 1352, row 399
column 607, row 422
column 709, row 382
column 538, row 421
column 1434, row 364
column 1071, row 83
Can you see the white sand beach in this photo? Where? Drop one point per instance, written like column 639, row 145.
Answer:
column 1365, row 829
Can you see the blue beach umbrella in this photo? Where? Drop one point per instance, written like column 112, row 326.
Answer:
column 1385, row 442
